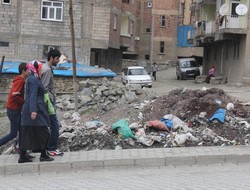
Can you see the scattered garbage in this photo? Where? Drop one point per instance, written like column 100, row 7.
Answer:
column 157, row 124
column 123, row 129
column 219, row 115
column 206, row 117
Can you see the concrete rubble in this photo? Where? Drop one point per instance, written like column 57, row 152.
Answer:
column 188, row 110
column 185, row 113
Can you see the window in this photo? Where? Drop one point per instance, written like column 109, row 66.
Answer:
column 181, row 10
column 147, row 57
column 137, row 72
column 131, row 28
column 188, row 64
column 6, row 1
column 162, row 47
column 115, row 22
column 163, row 20
column 148, row 30
column 52, row 10
column 125, row 1
column 4, row 44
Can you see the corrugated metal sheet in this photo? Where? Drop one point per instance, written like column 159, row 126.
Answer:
column 183, row 32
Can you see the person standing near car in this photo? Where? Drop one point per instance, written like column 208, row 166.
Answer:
column 154, row 69
column 47, row 79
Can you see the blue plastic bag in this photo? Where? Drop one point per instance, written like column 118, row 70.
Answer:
column 219, row 114
column 168, row 123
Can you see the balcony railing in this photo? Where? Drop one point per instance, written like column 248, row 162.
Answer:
column 236, row 22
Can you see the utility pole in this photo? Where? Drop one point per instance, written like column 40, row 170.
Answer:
column 1, row 66
column 152, row 37
column 73, row 53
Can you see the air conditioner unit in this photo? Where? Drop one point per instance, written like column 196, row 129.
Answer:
column 150, row 4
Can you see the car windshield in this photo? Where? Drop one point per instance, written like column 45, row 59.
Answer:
column 137, row 72
column 188, row 64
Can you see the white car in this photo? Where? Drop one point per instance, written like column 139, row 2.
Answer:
column 136, row 75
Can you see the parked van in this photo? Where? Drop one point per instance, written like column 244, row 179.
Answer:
column 187, row 68
column 136, row 75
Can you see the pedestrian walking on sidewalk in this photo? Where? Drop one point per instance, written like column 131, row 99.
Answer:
column 35, row 118
column 47, row 79
column 14, row 105
column 154, row 69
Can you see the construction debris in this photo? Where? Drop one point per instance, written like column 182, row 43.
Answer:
column 182, row 118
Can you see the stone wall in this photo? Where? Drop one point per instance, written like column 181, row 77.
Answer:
column 63, row 85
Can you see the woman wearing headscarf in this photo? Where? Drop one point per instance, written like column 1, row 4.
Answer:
column 35, row 119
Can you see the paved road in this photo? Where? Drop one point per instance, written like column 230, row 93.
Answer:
column 216, row 177
column 166, row 81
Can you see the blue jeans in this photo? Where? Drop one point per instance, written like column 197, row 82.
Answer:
column 15, row 118
column 54, row 132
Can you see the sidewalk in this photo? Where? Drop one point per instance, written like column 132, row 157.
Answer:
column 87, row 160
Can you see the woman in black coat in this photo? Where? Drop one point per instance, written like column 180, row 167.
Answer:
column 35, row 119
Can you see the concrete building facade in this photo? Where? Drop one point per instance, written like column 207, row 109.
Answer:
column 186, row 21
column 104, row 29
column 224, row 33
column 158, row 34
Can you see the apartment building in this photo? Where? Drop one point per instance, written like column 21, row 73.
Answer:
column 104, row 29
column 185, row 47
column 158, row 34
column 222, row 28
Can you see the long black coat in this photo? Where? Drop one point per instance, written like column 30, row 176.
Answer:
column 34, row 102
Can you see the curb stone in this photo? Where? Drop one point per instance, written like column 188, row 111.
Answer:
column 82, row 160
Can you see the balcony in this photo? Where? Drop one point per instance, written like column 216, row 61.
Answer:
column 233, row 24
column 125, row 41
column 210, row 28
column 205, row 32
column 206, row 1
column 200, row 29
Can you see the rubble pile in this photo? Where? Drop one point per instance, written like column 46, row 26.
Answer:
column 185, row 104
column 188, row 111
column 100, row 93
column 206, row 117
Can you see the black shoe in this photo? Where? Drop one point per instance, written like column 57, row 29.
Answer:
column 24, row 160
column 46, row 159
column 28, row 156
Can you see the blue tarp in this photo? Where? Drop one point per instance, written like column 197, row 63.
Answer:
column 66, row 70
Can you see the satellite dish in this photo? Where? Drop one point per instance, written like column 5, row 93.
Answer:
column 223, row 9
column 241, row 9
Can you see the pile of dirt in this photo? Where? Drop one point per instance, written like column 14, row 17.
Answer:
column 185, row 103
